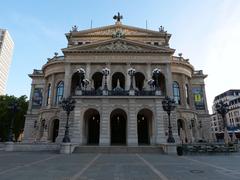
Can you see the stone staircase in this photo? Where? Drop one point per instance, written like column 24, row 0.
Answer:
column 118, row 149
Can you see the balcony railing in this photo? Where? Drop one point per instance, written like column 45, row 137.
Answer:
column 116, row 93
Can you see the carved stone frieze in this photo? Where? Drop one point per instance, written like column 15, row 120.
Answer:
column 118, row 45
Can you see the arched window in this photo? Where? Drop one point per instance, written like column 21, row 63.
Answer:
column 176, row 93
column 48, row 94
column 187, row 93
column 139, row 80
column 97, row 80
column 118, row 79
column 59, row 92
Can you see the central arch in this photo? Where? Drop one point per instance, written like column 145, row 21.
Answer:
column 144, row 126
column 92, row 126
column 118, row 125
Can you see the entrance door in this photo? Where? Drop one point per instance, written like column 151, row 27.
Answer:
column 143, row 134
column 55, row 130
column 93, row 129
column 118, row 129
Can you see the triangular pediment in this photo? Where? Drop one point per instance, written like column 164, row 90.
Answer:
column 118, row 45
column 112, row 29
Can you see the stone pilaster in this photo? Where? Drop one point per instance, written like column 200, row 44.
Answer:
column 105, row 124
column 30, row 99
column 159, row 122
column 88, row 71
column 67, row 81
column 77, row 124
column 109, row 77
column 45, row 89
column 149, row 76
column 127, row 82
column 132, row 138
column 53, row 90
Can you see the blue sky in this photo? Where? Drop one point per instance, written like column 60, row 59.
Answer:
column 206, row 32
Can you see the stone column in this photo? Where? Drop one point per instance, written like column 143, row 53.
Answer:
column 105, row 124
column 149, row 76
column 182, row 91
column 168, row 77
column 159, row 122
column 67, row 81
column 127, row 82
column 53, row 90
column 132, row 138
column 88, row 71
column 45, row 89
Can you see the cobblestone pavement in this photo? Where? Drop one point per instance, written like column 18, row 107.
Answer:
column 52, row 166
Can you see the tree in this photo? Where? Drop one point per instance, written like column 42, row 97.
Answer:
column 6, row 115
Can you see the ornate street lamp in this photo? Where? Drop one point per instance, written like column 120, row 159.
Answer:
column 222, row 109
column 156, row 74
column 131, row 73
column 68, row 105
column 105, row 72
column 13, row 108
column 168, row 106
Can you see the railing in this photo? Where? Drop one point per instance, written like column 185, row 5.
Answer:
column 116, row 93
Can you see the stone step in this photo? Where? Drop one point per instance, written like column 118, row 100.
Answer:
column 118, row 149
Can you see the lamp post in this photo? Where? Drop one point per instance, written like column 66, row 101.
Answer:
column 105, row 72
column 131, row 73
column 168, row 106
column 156, row 74
column 13, row 108
column 68, row 105
column 222, row 109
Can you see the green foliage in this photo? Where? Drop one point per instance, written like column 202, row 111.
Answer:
column 6, row 115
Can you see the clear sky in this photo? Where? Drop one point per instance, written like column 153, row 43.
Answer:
column 207, row 32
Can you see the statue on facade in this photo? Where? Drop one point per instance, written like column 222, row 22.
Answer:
column 118, row 17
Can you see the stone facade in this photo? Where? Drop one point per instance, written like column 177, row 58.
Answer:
column 108, row 110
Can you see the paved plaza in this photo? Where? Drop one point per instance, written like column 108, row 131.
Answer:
column 53, row 166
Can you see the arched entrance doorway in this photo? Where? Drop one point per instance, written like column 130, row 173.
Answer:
column 55, row 129
column 92, row 126
column 118, row 127
column 144, row 126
